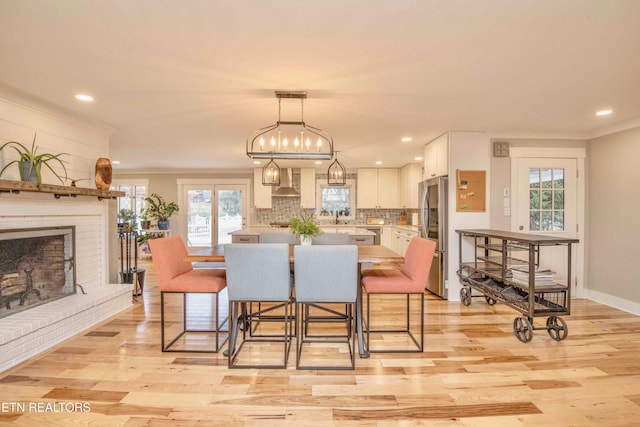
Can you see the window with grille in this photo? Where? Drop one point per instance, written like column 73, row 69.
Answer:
column 546, row 199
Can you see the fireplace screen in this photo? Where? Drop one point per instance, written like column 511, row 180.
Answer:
column 37, row 266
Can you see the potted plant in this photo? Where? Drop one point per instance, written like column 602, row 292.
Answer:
column 126, row 220
column 160, row 210
column 145, row 223
column 30, row 162
column 305, row 228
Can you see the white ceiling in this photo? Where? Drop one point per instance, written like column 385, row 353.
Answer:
column 183, row 83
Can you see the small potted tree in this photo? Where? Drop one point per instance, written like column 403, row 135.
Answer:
column 30, row 162
column 160, row 210
column 304, row 228
column 127, row 221
column 145, row 223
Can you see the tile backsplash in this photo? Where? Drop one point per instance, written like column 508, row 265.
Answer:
column 284, row 208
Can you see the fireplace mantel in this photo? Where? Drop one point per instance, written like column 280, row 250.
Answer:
column 10, row 186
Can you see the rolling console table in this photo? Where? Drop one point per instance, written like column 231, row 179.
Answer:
column 505, row 267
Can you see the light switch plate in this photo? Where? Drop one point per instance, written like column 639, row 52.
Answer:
column 500, row 149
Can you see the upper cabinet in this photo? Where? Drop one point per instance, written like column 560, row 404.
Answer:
column 436, row 157
column 307, row 188
column 377, row 189
column 410, row 177
column 261, row 193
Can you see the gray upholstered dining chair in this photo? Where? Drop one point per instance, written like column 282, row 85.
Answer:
column 258, row 273
column 331, row 239
column 284, row 237
column 325, row 274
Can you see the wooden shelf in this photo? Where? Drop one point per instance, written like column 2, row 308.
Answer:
column 10, row 186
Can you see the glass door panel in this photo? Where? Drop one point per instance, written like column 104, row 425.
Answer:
column 199, row 224
column 229, row 212
column 214, row 211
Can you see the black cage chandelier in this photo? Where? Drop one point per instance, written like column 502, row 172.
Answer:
column 290, row 140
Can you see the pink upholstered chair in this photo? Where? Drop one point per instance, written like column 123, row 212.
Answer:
column 178, row 276
column 411, row 279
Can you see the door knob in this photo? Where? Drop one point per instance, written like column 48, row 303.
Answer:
column 521, row 227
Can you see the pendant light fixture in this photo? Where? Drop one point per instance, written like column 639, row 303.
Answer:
column 271, row 174
column 336, row 174
column 290, row 139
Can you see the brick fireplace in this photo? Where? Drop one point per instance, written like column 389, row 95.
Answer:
column 81, row 237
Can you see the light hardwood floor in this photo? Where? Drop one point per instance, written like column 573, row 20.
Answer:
column 474, row 372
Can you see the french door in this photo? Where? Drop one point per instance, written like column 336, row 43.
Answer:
column 213, row 211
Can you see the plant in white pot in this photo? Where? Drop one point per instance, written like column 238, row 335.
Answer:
column 160, row 210
column 30, row 162
column 305, row 228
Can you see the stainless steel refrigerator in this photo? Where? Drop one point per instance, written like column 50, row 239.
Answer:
column 433, row 226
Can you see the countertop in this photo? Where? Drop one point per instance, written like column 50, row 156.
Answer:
column 351, row 230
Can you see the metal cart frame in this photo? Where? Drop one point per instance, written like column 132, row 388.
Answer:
column 493, row 278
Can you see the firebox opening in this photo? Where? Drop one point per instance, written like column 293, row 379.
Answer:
column 37, row 265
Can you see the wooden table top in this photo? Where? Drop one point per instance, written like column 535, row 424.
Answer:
column 366, row 253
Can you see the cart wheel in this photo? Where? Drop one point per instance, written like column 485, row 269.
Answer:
column 490, row 300
column 522, row 329
column 465, row 296
column 557, row 328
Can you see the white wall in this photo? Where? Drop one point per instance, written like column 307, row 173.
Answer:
column 613, row 207
column 467, row 151
column 25, row 334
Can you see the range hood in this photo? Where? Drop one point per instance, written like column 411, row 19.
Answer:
column 286, row 185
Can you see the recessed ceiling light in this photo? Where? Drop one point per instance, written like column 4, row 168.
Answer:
column 378, row 162
column 115, row 162
column 604, row 112
column 84, row 97
column 418, row 158
column 407, row 139
column 256, row 162
column 318, row 163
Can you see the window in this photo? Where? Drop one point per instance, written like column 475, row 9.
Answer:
column 330, row 200
column 546, row 199
column 135, row 193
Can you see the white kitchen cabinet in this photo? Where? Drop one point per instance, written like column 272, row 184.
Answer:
column 261, row 193
column 436, row 157
column 307, row 188
column 361, row 240
column 402, row 239
column 410, row 177
column 387, row 237
column 377, row 189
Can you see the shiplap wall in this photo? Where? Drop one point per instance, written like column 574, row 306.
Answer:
column 58, row 132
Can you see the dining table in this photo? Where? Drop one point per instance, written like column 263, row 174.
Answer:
column 367, row 255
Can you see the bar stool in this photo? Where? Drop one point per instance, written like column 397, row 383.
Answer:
column 258, row 273
column 325, row 274
column 411, row 279
column 176, row 276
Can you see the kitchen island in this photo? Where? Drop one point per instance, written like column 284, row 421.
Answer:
column 357, row 235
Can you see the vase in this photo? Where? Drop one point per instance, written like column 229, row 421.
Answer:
column 163, row 225
column 306, row 240
column 103, row 173
column 29, row 171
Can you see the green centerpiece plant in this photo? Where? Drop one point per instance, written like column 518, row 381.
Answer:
column 304, row 227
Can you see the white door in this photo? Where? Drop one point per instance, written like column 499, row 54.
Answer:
column 213, row 211
column 545, row 202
